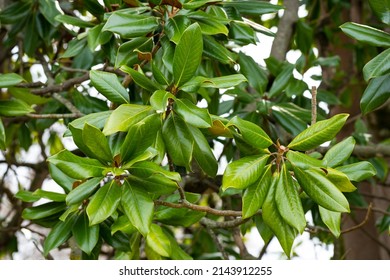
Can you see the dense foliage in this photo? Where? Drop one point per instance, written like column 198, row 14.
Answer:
column 148, row 92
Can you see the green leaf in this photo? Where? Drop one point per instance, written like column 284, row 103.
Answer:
column 321, row 190
column 108, row 85
column 158, row 241
column 123, row 224
column 125, row 116
column 60, row 233
column 27, row 196
column 209, row 24
column 202, row 153
column 86, row 236
column 148, row 154
column 339, row 152
column 282, row 80
column 192, row 5
column 61, row 178
column 214, row 50
column 83, row 191
column 43, row 210
column 224, row 81
column 272, row 218
column 159, row 100
column 288, row 201
column 104, row 203
column 255, row 8
column 54, row 196
column 155, row 185
column 192, row 114
column 77, row 167
column 255, row 195
column 338, row 178
column 318, row 133
column 25, row 95
column 75, row 47
column 175, row 27
column 366, row 34
column 75, row 21
column 97, row 142
column 179, row 146
column 381, row 9
column 140, row 79
column 188, row 54
column 378, row 66
column 148, row 169
column 256, row 75
column 2, row 136
column 302, row 160
column 96, row 119
column 358, row 171
column 127, row 54
column 331, row 219
column 14, row 108
column 138, row 207
column 376, row 94
column 242, row 173
column 10, row 79
column 94, row 36
column 251, row 133
column 130, row 25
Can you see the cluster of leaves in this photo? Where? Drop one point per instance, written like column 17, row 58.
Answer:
column 123, row 185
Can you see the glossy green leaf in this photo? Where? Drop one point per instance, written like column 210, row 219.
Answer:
column 83, row 191
column 192, row 5
column 159, row 100
column 282, row 80
column 155, row 185
column 60, row 233
column 97, row 142
column 147, row 169
column 188, row 54
column 381, row 9
column 63, row 180
column 255, row 195
column 43, row 210
column 288, row 201
column 318, row 133
column 175, row 27
column 338, row 178
column 339, row 152
column 27, row 196
column 321, row 190
column 96, row 119
column 148, row 154
column 224, row 81
column 331, row 219
column 127, row 54
column 10, row 79
column 358, row 171
column 123, row 224
column 242, row 173
column 177, row 252
column 2, row 136
column 140, row 79
column 214, row 50
column 77, row 135
column 255, row 8
column 256, row 75
column 366, row 34
column 272, row 218
column 53, row 196
column 378, row 66
column 302, row 160
column 202, row 153
column 288, row 120
column 86, row 236
column 130, row 25
column 94, row 36
column 108, row 85
column 75, row 47
column 209, row 24
column 25, row 95
column 376, row 94
column 158, row 241
column 138, row 207
column 14, row 108
column 251, row 133
column 75, row 21
column 124, row 116
column 179, row 146
column 77, row 167
column 104, row 203
column 192, row 114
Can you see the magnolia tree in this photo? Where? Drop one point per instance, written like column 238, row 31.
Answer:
column 157, row 95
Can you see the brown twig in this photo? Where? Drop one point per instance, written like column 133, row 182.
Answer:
column 218, row 243
column 313, row 105
column 225, row 224
column 55, row 116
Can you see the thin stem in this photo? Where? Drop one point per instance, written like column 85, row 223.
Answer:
column 313, row 105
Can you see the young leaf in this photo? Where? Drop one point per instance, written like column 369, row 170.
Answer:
column 241, row 173
column 251, row 133
column 86, row 236
column 378, row 66
column 366, row 34
column 321, row 190
column 192, row 114
column 358, row 171
column 339, row 152
column 108, row 85
column 96, row 119
column 224, row 81
column 124, row 116
column 138, row 207
column 104, row 203
column 27, row 196
column 10, row 79
column 179, row 146
column 288, row 202
column 318, row 133
column 53, row 196
column 376, row 93
column 14, row 108
column 60, row 233
column 331, row 219
column 97, row 142
column 158, row 241
column 272, row 218
column 77, row 167
column 302, row 160
column 82, row 191
column 254, row 196
column 188, row 54
column 338, row 178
